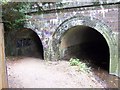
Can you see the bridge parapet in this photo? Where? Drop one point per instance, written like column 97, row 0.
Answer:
column 46, row 24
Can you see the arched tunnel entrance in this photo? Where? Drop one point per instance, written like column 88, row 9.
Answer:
column 29, row 44
column 87, row 44
column 99, row 31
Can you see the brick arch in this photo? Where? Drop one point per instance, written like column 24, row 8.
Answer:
column 27, row 34
column 94, row 23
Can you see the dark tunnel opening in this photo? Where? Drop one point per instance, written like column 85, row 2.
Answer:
column 87, row 44
column 29, row 44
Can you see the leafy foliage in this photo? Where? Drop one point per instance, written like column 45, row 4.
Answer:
column 74, row 62
column 4, row 1
column 81, row 66
column 13, row 15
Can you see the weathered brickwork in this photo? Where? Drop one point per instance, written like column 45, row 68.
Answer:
column 46, row 24
column 52, row 25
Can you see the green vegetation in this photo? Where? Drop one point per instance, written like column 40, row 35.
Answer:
column 13, row 15
column 4, row 1
column 74, row 62
column 81, row 66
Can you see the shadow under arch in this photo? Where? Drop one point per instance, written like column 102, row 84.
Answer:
column 87, row 44
column 28, row 43
column 94, row 23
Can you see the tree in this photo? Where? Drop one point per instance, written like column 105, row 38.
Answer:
column 13, row 15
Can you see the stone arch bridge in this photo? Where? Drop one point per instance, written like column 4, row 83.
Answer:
column 53, row 25
column 66, row 31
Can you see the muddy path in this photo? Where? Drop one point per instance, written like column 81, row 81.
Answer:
column 35, row 73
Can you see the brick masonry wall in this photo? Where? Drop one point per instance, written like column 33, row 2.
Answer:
column 46, row 24
column 52, row 25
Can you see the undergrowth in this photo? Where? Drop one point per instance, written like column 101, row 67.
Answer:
column 81, row 66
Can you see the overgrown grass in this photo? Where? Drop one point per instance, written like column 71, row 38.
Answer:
column 81, row 66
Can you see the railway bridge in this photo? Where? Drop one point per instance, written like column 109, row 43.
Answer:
column 74, row 32
column 75, row 29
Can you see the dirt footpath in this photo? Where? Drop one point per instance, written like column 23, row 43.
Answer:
column 36, row 73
